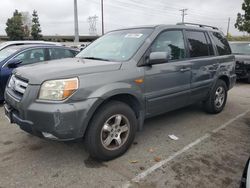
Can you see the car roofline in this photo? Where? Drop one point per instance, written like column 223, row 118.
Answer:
column 173, row 26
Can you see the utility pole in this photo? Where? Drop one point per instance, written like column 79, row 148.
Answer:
column 76, row 22
column 102, row 17
column 228, row 27
column 183, row 14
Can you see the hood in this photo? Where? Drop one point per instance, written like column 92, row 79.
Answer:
column 243, row 58
column 63, row 68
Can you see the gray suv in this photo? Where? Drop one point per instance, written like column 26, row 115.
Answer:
column 106, row 92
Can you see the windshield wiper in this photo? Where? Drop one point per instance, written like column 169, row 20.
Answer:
column 96, row 58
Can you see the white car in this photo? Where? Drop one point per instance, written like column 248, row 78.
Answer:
column 16, row 43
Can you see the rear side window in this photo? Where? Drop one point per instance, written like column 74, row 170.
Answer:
column 221, row 44
column 58, row 53
column 197, row 44
column 171, row 42
column 211, row 49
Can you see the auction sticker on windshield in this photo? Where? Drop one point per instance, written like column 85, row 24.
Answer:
column 134, row 35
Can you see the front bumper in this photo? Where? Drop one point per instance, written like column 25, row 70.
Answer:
column 61, row 121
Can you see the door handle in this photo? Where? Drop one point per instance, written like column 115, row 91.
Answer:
column 185, row 69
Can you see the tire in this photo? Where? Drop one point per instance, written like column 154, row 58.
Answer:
column 102, row 137
column 217, row 99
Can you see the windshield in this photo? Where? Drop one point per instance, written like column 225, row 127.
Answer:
column 116, row 46
column 6, row 53
column 240, row 48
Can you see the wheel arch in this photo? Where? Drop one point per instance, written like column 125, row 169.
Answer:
column 225, row 79
column 135, row 103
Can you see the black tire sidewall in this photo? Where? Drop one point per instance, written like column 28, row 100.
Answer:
column 93, row 138
column 219, row 83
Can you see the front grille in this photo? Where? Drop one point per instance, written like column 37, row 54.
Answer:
column 18, row 86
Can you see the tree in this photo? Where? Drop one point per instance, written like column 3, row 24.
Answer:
column 36, row 27
column 15, row 29
column 243, row 20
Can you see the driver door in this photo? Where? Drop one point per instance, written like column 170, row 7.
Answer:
column 168, row 84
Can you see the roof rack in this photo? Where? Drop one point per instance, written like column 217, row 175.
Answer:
column 200, row 25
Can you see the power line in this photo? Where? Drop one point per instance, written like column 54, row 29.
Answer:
column 155, row 10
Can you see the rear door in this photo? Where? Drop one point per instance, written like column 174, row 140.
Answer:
column 168, row 84
column 204, row 63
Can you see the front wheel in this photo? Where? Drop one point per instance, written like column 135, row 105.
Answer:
column 111, row 131
column 217, row 99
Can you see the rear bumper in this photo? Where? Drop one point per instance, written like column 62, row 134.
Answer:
column 63, row 121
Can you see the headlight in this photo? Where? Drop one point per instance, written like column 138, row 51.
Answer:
column 58, row 90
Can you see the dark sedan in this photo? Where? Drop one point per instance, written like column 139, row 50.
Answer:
column 15, row 56
column 241, row 50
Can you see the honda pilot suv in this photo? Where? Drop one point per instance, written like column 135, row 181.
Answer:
column 106, row 92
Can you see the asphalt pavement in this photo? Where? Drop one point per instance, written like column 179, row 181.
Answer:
column 211, row 152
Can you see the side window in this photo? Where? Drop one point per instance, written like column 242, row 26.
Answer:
column 57, row 53
column 211, row 49
column 171, row 42
column 31, row 56
column 197, row 44
column 221, row 44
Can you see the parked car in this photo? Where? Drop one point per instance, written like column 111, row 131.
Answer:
column 245, row 180
column 106, row 92
column 241, row 50
column 18, row 43
column 16, row 56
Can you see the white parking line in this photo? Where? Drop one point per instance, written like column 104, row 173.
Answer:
column 147, row 172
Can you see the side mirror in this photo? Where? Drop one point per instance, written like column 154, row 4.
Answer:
column 158, row 58
column 14, row 63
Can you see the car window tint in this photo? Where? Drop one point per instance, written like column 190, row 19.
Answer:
column 31, row 56
column 197, row 44
column 210, row 45
column 171, row 42
column 58, row 53
column 221, row 44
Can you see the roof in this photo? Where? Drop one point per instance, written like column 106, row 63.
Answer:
column 179, row 26
column 29, row 42
column 11, row 43
column 28, row 46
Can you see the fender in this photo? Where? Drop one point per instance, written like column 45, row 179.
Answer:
column 108, row 91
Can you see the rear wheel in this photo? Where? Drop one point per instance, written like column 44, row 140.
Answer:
column 111, row 131
column 217, row 99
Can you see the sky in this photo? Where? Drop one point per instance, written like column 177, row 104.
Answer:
column 57, row 16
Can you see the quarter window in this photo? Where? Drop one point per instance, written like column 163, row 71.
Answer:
column 197, row 44
column 221, row 44
column 171, row 42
